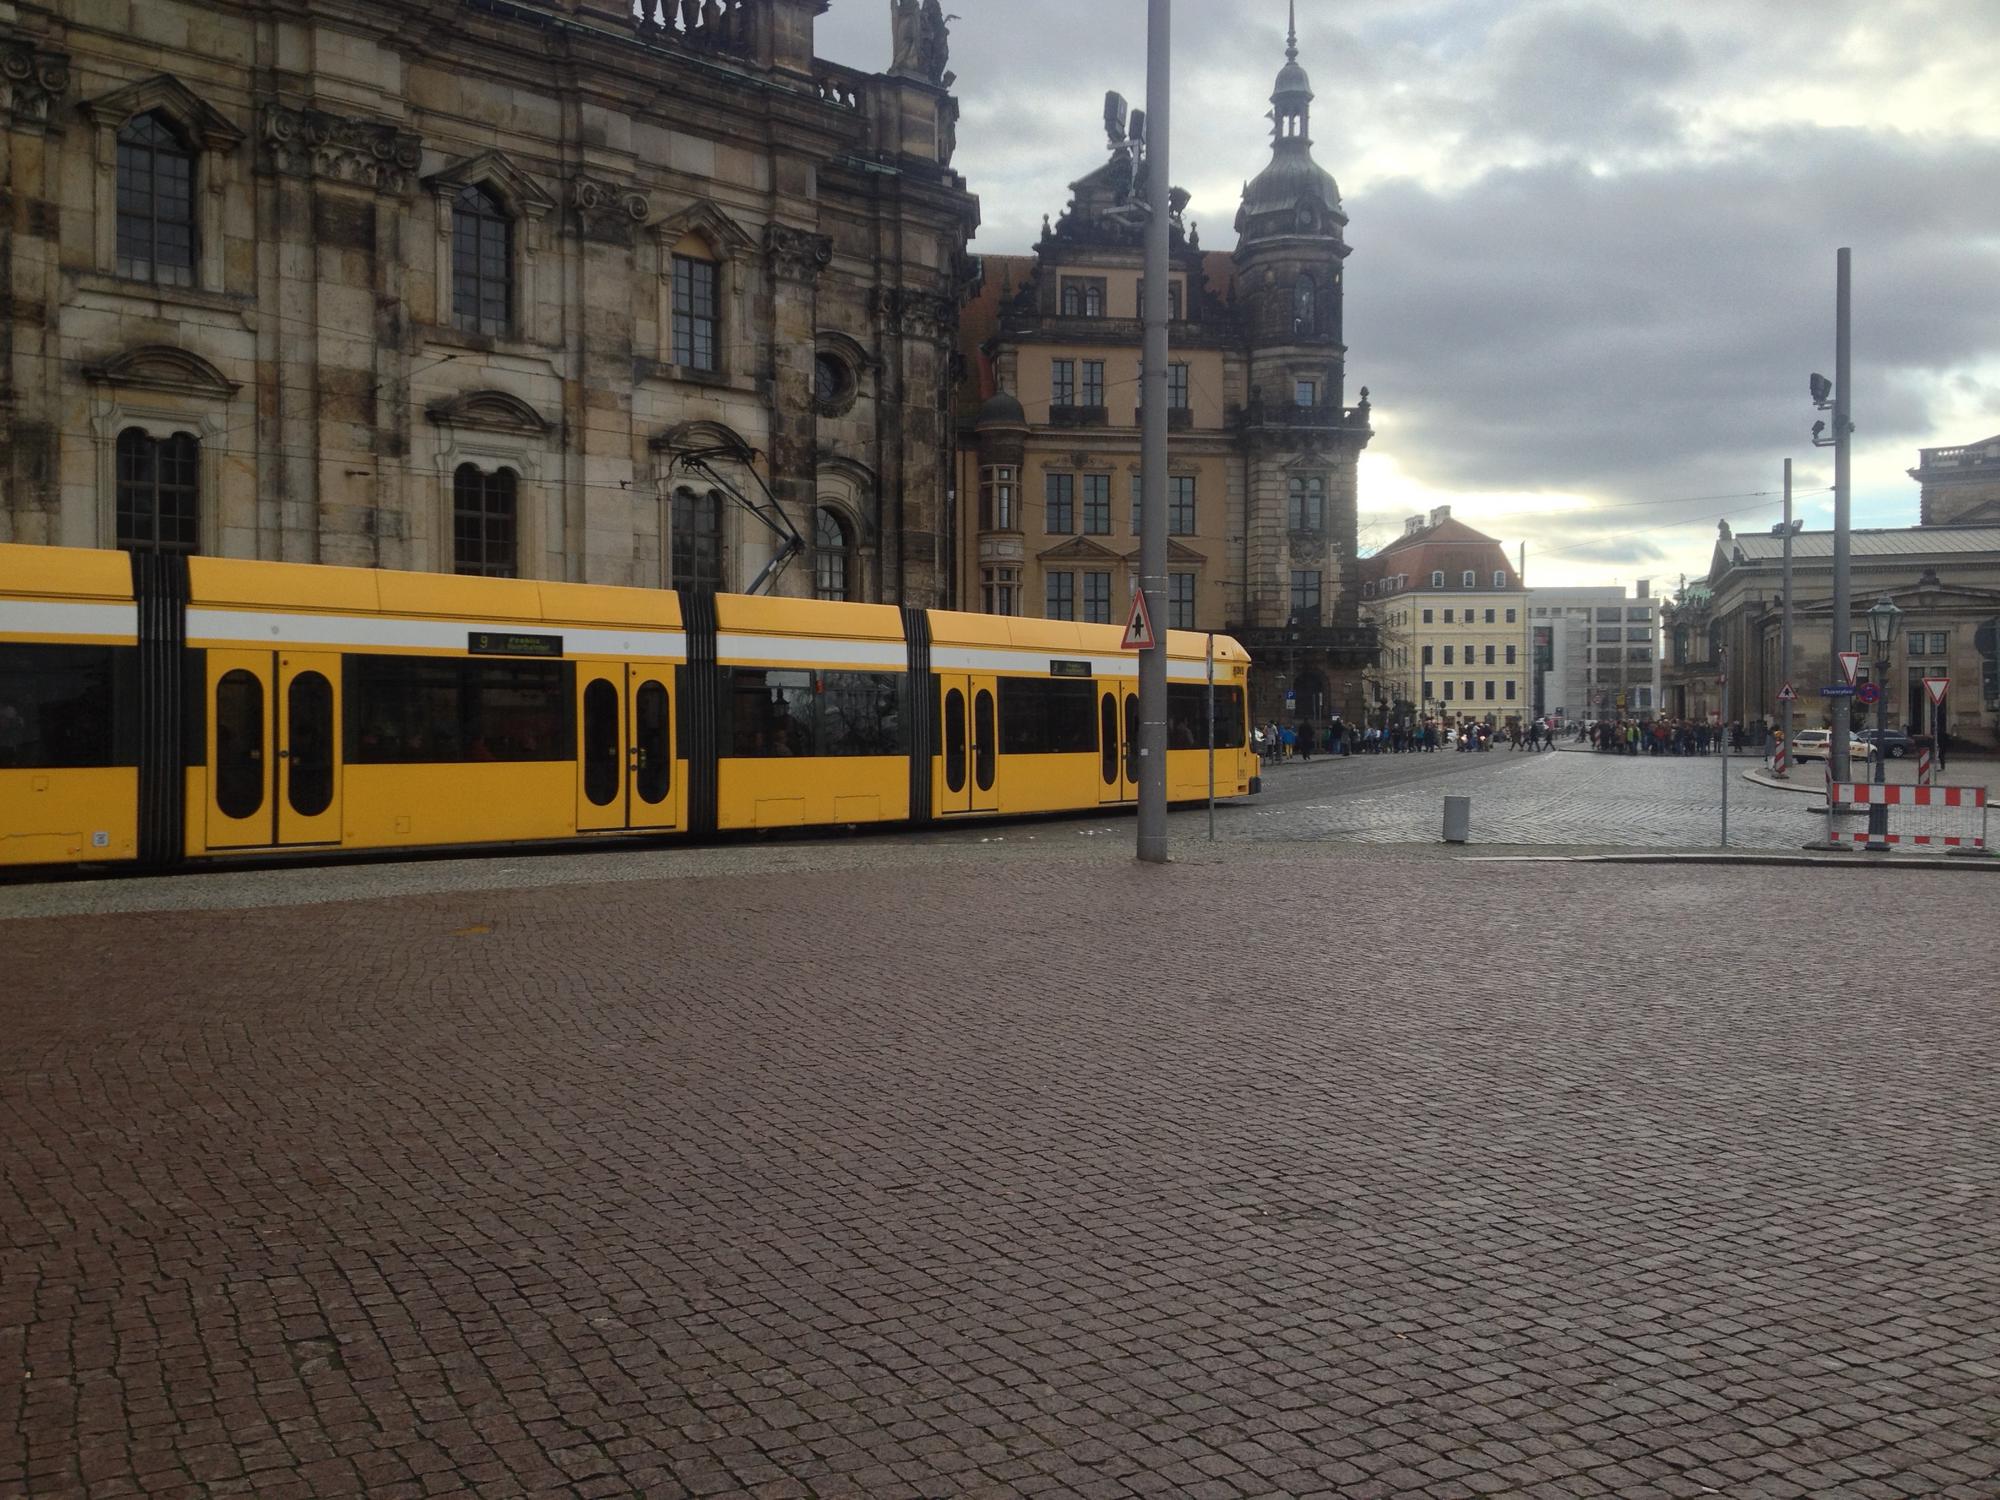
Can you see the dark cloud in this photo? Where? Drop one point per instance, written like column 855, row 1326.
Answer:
column 1594, row 243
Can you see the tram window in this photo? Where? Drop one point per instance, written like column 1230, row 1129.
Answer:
column 862, row 713
column 1107, row 737
column 1132, row 738
column 954, row 740
column 60, row 706
column 309, row 708
column 1187, row 707
column 1046, row 717
column 782, row 712
column 602, row 749
column 239, row 744
column 982, row 740
column 771, row 713
column 649, row 737
column 425, row 709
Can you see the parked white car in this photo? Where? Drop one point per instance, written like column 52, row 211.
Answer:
column 1817, row 744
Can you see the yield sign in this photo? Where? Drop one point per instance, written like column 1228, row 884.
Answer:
column 1785, row 694
column 1850, row 663
column 1139, row 629
column 1936, row 686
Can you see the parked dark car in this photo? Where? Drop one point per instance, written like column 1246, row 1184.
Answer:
column 1894, row 743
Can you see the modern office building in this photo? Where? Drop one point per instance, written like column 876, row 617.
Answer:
column 1596, row 652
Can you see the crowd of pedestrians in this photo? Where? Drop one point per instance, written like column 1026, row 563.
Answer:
column 1277, row 742
column 1660, row 737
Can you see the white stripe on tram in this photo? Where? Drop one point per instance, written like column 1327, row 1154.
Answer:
column 733, row 646
column 50, row 617
column 1013, row 659
column 262, row 628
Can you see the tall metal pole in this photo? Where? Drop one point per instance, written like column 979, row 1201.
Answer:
column 1785, row 633
column 1724, row 747
column 1153, row 443
column 1211, row 736
column 1842, row 404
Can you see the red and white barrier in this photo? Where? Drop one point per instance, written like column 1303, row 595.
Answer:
column 1933, row 816
column 1926, row 767
column 1781, row 759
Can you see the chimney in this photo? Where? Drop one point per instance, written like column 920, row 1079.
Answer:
column 1440, row 515
column 1645, row 588
column 1412, row 526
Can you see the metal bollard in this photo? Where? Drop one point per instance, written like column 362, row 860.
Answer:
column 1457, row 819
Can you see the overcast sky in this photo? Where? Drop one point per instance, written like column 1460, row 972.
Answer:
column 1593, row 242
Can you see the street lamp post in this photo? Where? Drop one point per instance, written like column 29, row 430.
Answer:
column 1882, row 622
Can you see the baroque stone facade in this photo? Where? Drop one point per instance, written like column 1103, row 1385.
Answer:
column 1263, row 446
column 569, row 289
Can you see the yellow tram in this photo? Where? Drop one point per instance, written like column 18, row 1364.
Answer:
column 155, row 709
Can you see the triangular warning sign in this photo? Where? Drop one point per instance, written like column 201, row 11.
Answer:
column 1936, row 686
column 1850, row 663
column 1786, row 695
column 1139, row 629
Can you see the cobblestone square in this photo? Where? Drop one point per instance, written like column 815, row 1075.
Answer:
column 879, row 1170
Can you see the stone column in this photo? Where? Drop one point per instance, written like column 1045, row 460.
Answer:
column 337, row 356
column 794, row 259
column 919, row 325
column 32, row 84
column 606, row 216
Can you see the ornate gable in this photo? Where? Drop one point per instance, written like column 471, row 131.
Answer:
column 1079, row 549
column 161, row 367
column 495, row 170
column 207, row 127
column 490, row 411
column 703, row 218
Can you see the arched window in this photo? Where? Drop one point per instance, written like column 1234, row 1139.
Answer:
column 697, row 540
column 482, row 263
column 1305, row 305
column 484, row 515
column 159, row 492
column 155, row 202
column 831, row 549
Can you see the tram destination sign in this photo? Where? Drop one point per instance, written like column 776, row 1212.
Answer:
column 509, row 643
column 1069, row 669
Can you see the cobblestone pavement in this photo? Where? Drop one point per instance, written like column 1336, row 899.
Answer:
column 1547, row 798
column 884, row 1174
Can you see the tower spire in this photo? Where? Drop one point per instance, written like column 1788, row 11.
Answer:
column 1292, row 32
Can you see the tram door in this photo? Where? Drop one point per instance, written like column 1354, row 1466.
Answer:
column 969, row 741
column 273, row 749
column 1117, row 741
column 624, row 763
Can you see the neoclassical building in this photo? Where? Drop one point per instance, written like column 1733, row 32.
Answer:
column 572, row 289
column 1263, row 443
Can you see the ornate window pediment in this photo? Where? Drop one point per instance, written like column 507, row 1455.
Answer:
column 207, row 128
column 161, row 367
column 701, row 217
column 495, row 171
column 490, row 411
column 1079, row 549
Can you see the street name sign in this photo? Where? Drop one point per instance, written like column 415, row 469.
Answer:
column 1850, row 663
column 1837, row 690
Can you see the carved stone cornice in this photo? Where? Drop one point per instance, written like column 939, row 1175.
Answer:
column 339, row 148
column 915, row 313
column 607, row 210
column 32, row 83
column 796, row 254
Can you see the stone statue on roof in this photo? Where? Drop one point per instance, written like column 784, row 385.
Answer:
column 921, row 40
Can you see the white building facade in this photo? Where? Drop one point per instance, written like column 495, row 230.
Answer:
column 1596, row 652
